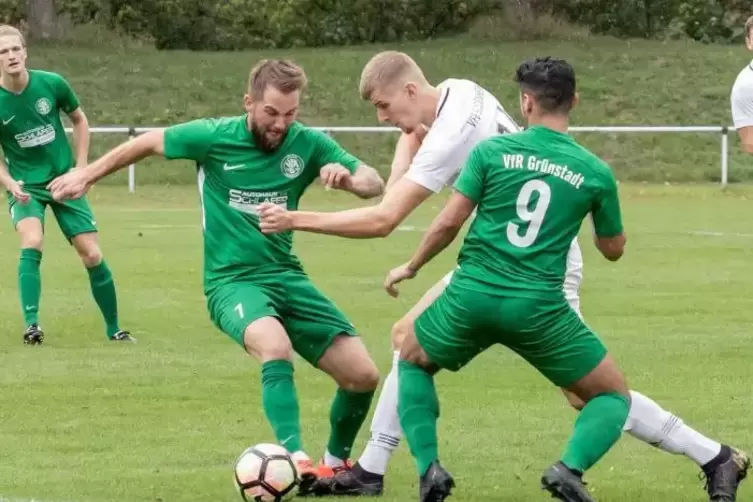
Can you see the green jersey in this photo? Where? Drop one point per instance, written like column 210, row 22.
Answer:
column 235, row 176
column 32, row 135
column 533, row 190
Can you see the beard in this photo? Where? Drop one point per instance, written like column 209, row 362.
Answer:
column 265, row 142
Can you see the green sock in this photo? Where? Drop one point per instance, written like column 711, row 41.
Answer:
column 349, row 410
column 418, row 407
column 103, row 289
column 281, row 403
column 30, row 284
column 597, row 428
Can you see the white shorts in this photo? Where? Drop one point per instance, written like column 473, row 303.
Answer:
column 573, row 276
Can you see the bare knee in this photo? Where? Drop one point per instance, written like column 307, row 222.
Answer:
column 30, row 233
column 605, row 378
column 88, row 249
column 347, row 361
column 574, row 400
column 266, row 340
column 400, row 330
column 413, row 353
column 364, row 378
column 91, row 256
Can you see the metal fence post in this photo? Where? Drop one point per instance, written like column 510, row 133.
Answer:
column 725, row 156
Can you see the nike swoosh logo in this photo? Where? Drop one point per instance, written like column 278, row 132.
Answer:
column 6, row 122
column 227, row 167
column 286, row 440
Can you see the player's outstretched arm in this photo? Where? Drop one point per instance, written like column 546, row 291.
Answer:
column 443, row 230
column 406, row 148
column 361, row 223
column 75, row 183
column 440, row 234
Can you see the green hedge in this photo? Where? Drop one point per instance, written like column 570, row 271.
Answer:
column 262, row 24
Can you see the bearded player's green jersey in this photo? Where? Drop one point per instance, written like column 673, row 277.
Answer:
column 31, row 132
column 533, row 190
column 235, row 176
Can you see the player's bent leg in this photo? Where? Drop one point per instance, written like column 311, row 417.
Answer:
column 101, row 283
column 446, row 336
column 349, row 364
column 266, row 340
column 650, row 423
column 597, row 428
column 322, row 335
column 76, row 221
column 367, row 475
column 418, row 406
column 553, row 338
column 723, row 466
column 31, row 235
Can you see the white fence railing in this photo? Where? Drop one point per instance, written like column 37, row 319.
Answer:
column 723, row 131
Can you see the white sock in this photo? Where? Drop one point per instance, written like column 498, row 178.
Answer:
column 651, row 424
column 385, row 426
column 332, row 461
column 299, row 456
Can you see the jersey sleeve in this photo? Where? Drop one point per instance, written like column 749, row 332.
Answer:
column 606, row 214
column 444, row 149
column 742, row 104
column 67, row 100
column 189, row 140
column 471, row 180
column 329, row 151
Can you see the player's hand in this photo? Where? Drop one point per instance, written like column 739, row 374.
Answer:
column 396, row 275
column 17, row 190
column 72, row 185
column 274, row 218
column 334, row 176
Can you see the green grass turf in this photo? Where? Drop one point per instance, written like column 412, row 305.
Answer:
column 621, row 83
column 84, row 419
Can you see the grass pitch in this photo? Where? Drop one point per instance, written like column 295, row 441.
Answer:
column 86, row 420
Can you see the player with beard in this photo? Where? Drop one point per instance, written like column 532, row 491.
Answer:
column 257, row 291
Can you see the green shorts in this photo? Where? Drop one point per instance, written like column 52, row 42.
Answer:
column 74, row 217
column 463, row 322
column 311, row 320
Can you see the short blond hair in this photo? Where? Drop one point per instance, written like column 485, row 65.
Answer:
column 7, row 30
column 282, row 74
column 749, row 27
column 388, row 68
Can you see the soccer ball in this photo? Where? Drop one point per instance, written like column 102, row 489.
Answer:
column 265, row 473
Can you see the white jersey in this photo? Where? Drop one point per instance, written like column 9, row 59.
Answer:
column 741, row 98
column 466, row 115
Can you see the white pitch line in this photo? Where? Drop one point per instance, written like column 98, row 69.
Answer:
column 16, row 499
column 708, row 233
column 158, row 226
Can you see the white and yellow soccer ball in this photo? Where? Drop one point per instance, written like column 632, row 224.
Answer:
column 266, row 473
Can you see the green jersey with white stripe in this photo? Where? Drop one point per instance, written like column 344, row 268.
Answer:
column 235, row 176
column 32, row 134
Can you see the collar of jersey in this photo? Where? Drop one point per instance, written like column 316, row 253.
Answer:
column 28, row 83
column 547, row 130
